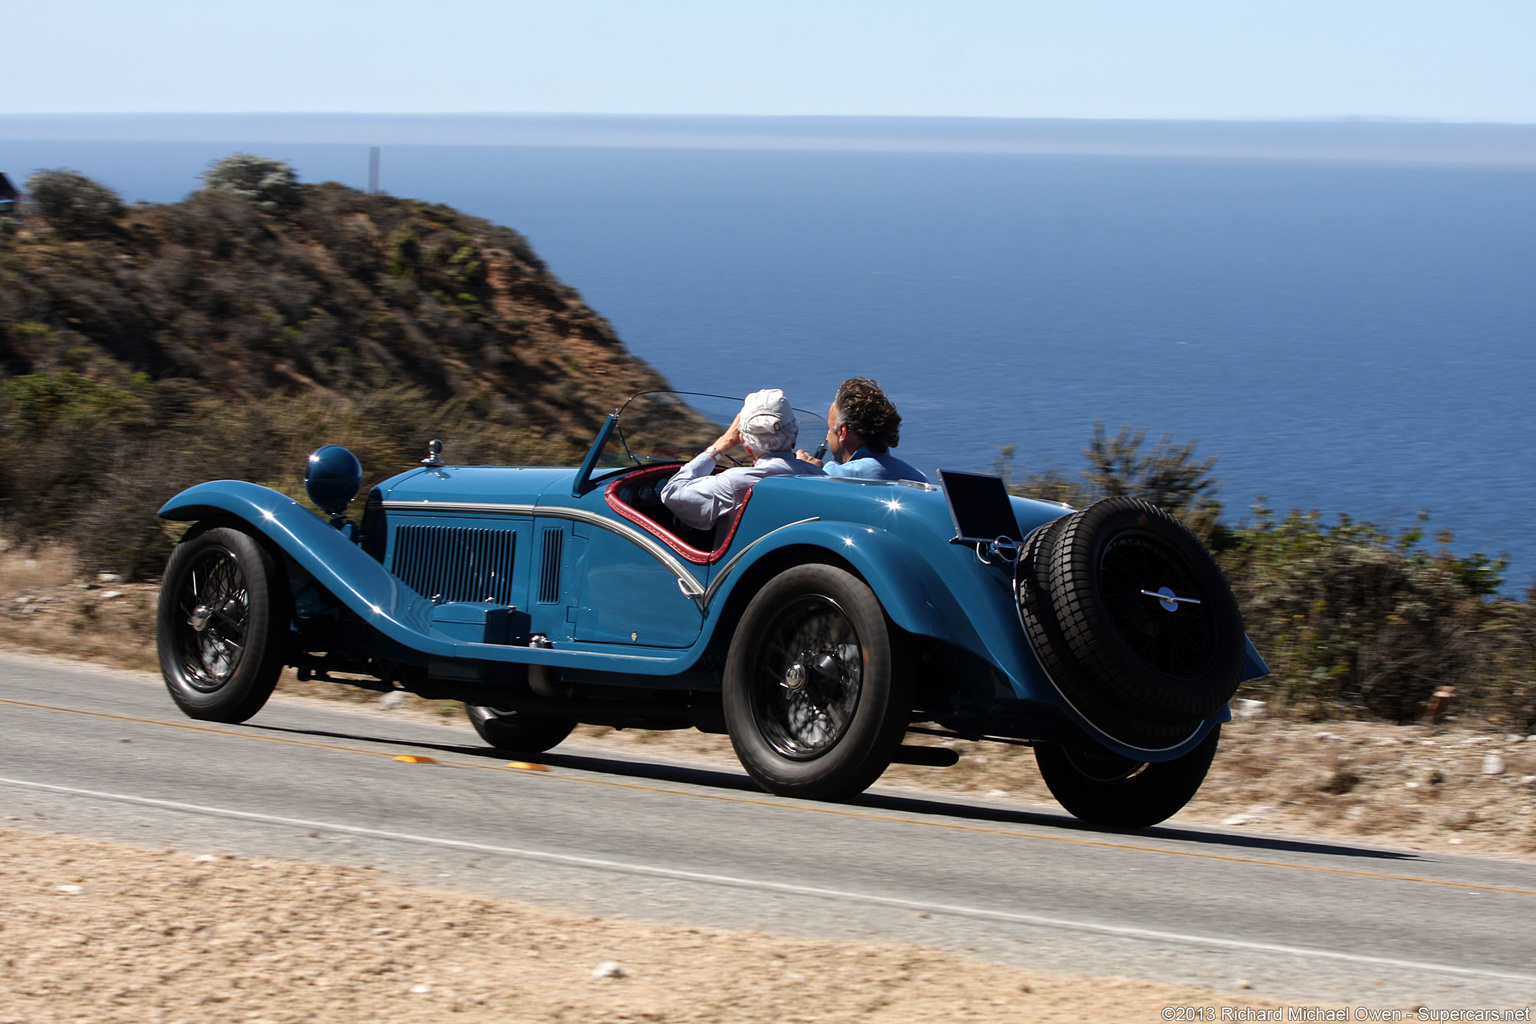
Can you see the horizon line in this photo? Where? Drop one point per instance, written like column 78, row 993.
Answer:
column 1343, row 139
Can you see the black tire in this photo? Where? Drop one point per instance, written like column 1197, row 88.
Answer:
column 1133, row 620
column 816, row 695
column 1100, row 787
column 518, row 731
column 223, row 628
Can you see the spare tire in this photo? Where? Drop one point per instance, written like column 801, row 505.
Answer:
column 1132, row 619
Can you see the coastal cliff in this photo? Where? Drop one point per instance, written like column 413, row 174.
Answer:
column 146, row 348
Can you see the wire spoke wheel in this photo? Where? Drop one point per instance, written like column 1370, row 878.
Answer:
column 223, row 625
column 809, row 680
column 213, row 609
column 816, row 699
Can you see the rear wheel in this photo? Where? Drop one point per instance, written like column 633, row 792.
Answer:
column 1104, row 788
column 223, row 624
column 816, row 699
column 518, row 731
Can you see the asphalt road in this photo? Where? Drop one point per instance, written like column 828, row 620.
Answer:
column 105, row 754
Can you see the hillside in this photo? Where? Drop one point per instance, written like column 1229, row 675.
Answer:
column 146, row 348
column 344, row 292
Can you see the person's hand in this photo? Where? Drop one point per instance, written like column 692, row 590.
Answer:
column 731, row 438
column 805, row 456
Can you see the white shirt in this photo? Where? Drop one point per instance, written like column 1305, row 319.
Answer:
column 700, row 499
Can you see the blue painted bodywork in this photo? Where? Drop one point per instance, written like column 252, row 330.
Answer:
column 575, row 587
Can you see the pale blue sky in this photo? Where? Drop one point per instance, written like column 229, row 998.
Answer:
column 1452, row 60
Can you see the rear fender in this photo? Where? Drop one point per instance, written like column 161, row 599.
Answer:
column 908, row 586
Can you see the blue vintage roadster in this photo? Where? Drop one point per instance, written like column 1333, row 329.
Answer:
column 828, row 628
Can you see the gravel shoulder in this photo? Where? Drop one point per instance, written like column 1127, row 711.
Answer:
column 106, row 933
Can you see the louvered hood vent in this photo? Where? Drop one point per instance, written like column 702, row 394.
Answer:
column 456, row 563
column 549, row 578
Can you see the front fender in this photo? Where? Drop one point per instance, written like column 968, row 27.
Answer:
column 339, row 565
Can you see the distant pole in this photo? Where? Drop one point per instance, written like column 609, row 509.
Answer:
column 373, row 171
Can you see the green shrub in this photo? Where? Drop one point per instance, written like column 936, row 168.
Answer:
column 73, row 205
column 1355, row 620
column 270, row 184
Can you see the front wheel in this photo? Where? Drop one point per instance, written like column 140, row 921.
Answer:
column 1105, row 788
column 518, row 731
column 222, row 627
column 816, row 699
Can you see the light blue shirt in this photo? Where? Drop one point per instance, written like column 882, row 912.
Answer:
column 700, row 499
column 866, row 465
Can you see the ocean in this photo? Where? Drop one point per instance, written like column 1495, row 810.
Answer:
column 1347, row 336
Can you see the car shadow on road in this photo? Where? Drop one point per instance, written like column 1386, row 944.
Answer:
column 1175, row 833
column 921, row 806
column 693, row 775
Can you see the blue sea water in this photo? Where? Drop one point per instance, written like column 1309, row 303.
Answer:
column 1347, row 337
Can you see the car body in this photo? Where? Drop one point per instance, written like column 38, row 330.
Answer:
column 827, row 624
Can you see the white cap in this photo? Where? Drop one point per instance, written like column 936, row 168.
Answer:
column 768, row 422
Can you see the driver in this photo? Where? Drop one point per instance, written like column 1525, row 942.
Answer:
column 766, row 427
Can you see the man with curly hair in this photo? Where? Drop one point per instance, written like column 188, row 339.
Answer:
column 862, row 428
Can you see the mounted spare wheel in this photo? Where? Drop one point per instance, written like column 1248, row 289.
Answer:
column 1132, row 619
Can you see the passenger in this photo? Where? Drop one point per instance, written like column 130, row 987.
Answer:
column 766, row 427
column 862, row 428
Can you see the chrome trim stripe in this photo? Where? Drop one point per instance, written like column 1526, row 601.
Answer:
column 459, row 506
column 714, row 584
column 690, row 587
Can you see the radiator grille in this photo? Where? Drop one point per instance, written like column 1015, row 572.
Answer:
column 549, row 576
column 456, row 563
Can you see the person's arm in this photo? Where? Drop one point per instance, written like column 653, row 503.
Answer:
column 693, row 494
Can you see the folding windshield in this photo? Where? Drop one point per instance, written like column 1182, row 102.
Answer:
column 663, row 426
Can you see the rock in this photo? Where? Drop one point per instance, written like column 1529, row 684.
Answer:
column 107, row 595
column 108, row 577
column 420, row 990
column 392, row 699
column 1528, row 780
column 1245, row 709
column 609, row 969
column 72, row 890
column 1493, row 764
column 1327, row 737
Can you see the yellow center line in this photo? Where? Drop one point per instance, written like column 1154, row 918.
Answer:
column 836, row 810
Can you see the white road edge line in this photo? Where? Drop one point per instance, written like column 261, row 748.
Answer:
column 619, row 867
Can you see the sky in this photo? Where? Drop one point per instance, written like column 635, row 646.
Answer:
column 1439, row 60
